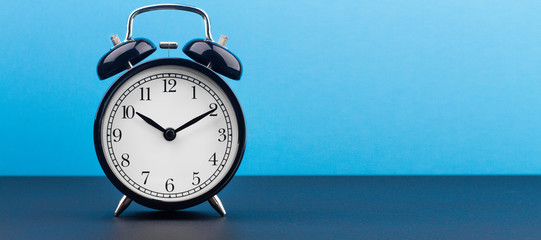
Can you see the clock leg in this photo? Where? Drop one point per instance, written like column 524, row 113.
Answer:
column 217, row 205
column 122, row 205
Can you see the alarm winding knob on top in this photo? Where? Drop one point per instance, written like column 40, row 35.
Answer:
column 169, row 133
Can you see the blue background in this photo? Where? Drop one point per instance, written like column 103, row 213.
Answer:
column 348, row 88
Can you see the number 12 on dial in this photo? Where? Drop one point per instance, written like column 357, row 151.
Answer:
column 170, row 136
column 169, row 132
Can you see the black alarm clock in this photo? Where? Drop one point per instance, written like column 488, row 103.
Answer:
column 169, row 133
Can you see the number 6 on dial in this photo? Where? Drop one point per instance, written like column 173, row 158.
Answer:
column 160, row 121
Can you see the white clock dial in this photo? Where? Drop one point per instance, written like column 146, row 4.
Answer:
column 161, row 137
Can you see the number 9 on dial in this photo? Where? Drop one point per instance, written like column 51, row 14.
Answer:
column 169, row 133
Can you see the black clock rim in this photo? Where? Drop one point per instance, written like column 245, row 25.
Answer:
column 158, row 204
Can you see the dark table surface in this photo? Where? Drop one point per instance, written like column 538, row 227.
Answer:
column 397, row 207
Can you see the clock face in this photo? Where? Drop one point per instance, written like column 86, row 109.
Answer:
column 169, row 133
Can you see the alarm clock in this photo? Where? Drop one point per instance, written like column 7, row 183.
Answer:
column 169, row 133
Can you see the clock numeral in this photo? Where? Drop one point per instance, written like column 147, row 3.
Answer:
column 223, row 137
column 193, row 92
column 213, row 106
column 166, row 84
column 145, row 95
column 125, row 160
column 213, row 159
column 169, row 185
column 146, row 178
column 196, row 179
column 128, row 112
column 117, row 134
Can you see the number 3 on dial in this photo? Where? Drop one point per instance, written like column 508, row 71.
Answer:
column 170, row 134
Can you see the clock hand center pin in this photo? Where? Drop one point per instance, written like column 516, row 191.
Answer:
column 169, row 134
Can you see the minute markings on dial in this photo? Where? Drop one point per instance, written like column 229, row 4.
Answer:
column 217, row 107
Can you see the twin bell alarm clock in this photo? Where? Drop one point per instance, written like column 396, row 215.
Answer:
column 169, row 133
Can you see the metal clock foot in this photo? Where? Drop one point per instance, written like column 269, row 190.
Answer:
column 122, row 205
column 217, row 205
column 210, row 100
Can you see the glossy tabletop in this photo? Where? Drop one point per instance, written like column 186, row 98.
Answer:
column 365, row 207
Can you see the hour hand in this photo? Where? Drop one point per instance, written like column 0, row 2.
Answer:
column 151, row 122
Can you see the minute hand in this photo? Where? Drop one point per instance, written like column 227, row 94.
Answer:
column 191, row 122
